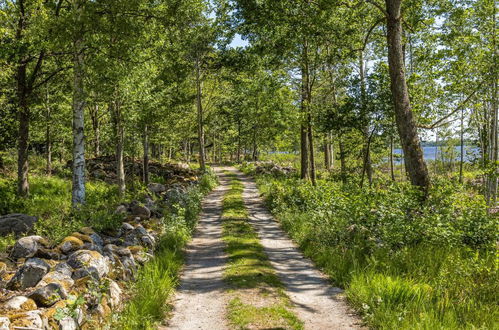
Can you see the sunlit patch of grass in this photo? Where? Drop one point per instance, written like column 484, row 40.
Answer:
column 250, row 274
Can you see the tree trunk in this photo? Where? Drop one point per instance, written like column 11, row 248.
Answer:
column 392, row 172
column 22, row 146
column 461, row 161
column 311, row 150
column 304, row 143
column 255, row 146
column 367, row 166
column 119, row 137
column 343, row 164
column 199, row 105
column 94, row 116
column 238, row 141
column 327, row 153
column 48, row 146
column 146, row 156
column 406, row 124
column 78, row 189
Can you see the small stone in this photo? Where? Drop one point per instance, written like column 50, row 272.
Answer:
column 123, row 251
column 114, row 294
column 121, row 209
column 70, row 244
column 87, row 231
column 4, row 323
column 83, row 237
column 92, row 247
column 48, row 254
column 64, row 268
column 26, row 247
column 148, row 241
column 140, row 211
column 97, row 239
column 16, row 223
column 48, row 295
column 29, row 274
column 126, row 226
column 68, row 323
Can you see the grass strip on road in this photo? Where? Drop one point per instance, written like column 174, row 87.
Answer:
column 258, row 300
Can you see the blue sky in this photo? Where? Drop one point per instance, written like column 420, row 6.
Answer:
column 238, row 42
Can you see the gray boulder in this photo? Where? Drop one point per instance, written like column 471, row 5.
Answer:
column 29, row 274
column 48, row 295
column 16, row 223
column 4, row 323
column 140, row 210
column 27, row 247
column 156, row 188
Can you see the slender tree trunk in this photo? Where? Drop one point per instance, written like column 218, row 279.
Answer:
column 311, row 150
column 146, row 156
column 119, row 137
column 327, row 155
column 406, row 123
column 78, row 189
column 304, row 143
column 461, row 162
column 239, row 141
column 255, row 146
column 48, row 146
column 343, row 164
column 22, row 146
column 94, row 116
column 392, row 172
column 367, row 167
column 199, row 105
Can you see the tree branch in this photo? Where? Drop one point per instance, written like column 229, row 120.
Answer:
column 439, row 123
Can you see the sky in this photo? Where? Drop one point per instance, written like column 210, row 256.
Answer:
column 238, row 42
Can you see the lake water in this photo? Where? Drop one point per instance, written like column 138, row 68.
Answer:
column 470, row 153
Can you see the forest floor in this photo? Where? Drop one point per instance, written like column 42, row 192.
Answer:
column 203, row 299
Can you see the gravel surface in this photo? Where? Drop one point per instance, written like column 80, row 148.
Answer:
column 200, row 301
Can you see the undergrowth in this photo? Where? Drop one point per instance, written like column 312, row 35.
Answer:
column 403, row 265
column 249, row 272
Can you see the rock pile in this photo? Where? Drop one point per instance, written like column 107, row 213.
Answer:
column 104, row 168
column 273, row 169
column 79, row 281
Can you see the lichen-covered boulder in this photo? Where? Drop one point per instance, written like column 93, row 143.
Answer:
column 45, row 253
column 91, row 261
column 63, row 279
column 48, row 295
column 4, row 323
column 27, row 247
column 27, row 320
column 29, row 274
column 70, row 244
column 68, row 323
column 16, row 223
column 18, row 303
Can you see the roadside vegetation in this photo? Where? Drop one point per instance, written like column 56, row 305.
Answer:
column 404, row 265
column 258, row 300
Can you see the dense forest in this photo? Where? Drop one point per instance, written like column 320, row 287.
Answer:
column 370, row 127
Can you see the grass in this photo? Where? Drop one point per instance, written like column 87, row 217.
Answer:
column 258, row 299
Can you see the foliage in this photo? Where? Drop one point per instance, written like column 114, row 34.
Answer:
column 403, row 265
